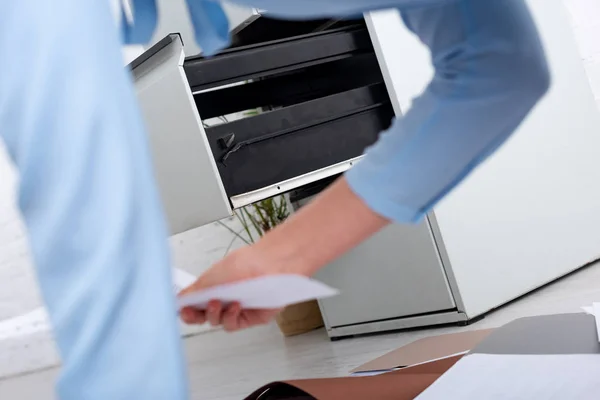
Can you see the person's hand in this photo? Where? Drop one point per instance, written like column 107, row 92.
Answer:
column 239, row 265
column 333, row 223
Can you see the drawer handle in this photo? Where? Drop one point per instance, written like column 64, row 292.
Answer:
column 237, row 146
column 226, row 141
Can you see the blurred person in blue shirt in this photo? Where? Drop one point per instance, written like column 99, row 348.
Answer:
column 69, row 118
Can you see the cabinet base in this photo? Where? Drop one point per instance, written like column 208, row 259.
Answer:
column 367, row 328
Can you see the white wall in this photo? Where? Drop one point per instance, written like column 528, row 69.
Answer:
column 193, row 251
column 531, row 213
column 585, row 19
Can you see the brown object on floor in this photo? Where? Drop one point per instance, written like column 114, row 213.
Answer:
column 300, row 318
column 405, row 384
column 426, row 349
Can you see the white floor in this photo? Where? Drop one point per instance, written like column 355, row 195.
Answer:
column 225, row 367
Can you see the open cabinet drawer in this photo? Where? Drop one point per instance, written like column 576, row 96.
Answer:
column 318, row 99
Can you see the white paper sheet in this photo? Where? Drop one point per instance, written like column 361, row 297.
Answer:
column 373, row 373
column 269, row 292
column 37, row 321
column 24, row 325
column 181, row 280
column 594, row 310
column 515, row 377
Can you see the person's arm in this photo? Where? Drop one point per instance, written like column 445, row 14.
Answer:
column 69, row 118
column 333, row 223
column 490, row 70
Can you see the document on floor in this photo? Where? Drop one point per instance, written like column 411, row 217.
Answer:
column 594, row 310
column 36, row 320
column 500, row 377
column 268, row 292
column 181, row 279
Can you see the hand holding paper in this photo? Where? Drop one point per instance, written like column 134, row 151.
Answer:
column 267, row 292
column 239, row 293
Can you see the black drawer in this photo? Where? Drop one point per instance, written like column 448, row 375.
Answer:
column 265, row 59
column 295, row 140
column 317, row 96
column 325, row 98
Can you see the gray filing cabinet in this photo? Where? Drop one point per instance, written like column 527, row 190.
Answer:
column 395, row 274
column 327, row 100
column 331, row 87
column 394, row 280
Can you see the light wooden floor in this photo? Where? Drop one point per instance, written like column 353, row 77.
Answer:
column 228, row 367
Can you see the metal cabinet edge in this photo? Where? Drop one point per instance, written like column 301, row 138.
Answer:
column 189, row 183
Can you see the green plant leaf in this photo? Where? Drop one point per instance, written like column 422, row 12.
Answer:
column 242, row 219
column 236, row 234
column 255, row 223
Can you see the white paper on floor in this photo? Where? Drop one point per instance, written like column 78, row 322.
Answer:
column 181, row 279
column 594, row 310
column 501, row 377
column 268, row 292
column 26, row 324
column 37, row 320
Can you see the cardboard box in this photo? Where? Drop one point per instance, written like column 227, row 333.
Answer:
column 401, row 374
column 424, row 350
column 405, row 384
column 564, row 347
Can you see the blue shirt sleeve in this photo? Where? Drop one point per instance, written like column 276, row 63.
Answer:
column 211, row 25
column 69, row 118
column 490, row 71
